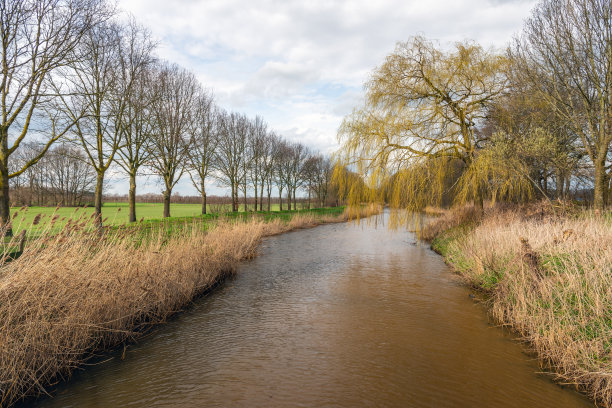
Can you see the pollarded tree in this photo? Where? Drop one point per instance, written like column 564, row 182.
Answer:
column 176, row 96
column 421, row 111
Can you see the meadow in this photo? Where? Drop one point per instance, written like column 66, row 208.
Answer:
column 113, row 214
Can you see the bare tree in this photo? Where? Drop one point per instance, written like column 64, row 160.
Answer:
column 31, row 179
column 176, row 96
column 257, row 146
column 37, row 38
column 69, row 176
column 269, row 153
column 61, row 177
column 203, row 142
column 323, row 179
column 295, row 174
column 97, row 101
column 230, row 152
column 136, row 99
column 310, row 172
column 282, row 171
column 246, row 133
column 565, row 51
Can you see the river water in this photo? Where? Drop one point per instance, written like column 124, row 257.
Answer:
column 336, row 316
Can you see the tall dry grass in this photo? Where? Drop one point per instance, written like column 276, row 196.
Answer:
column 73, row 294
column 550, row 278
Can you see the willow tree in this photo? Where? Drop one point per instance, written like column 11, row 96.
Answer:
column 418, row 127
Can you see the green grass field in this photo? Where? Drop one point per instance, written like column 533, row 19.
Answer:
column 113, row 214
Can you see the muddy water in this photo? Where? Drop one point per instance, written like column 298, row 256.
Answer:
column 336, row 316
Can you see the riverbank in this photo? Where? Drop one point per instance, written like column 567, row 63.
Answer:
column 548, row 276
column 78, row 293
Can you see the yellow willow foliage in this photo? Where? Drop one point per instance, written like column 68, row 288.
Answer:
column 413, row 143
column 497, row 176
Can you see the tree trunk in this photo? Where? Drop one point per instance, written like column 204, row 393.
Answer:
column 280, row 199
column 167, row 195
column 255, row 194
column 233, row 197
column 132, row 197
column 245, row 199
column 203, row 202
column 560, row 182
column 31, row 195
column 599, row 194
column 5, row 204
column 261, row 196
column 294, row 201
column 269, row 200
column 98, row 197
column 309, row 198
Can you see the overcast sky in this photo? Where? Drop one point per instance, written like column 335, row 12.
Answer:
column 301, row 64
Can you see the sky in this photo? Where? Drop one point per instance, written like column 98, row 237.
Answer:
column 301, row 65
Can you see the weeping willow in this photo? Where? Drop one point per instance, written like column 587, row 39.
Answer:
column 414, row 141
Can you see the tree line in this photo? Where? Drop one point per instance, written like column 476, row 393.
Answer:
column 467, row 123
column 82, row 90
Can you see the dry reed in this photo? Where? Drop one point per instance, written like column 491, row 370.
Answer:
column 549, row 277
column 71, row 295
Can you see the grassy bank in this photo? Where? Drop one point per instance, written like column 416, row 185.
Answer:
column 546, row 275
column 80, row 292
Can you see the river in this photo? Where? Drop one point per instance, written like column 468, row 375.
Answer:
column 336, row 316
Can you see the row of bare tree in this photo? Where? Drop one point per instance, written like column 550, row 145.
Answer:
column 81, row 73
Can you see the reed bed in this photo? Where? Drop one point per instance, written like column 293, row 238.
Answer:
column 72, row 295
column 549, row 277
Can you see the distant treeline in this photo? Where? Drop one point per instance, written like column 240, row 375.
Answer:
column 211, row 199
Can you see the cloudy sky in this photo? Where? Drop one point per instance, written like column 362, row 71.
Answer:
column 301, row 64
